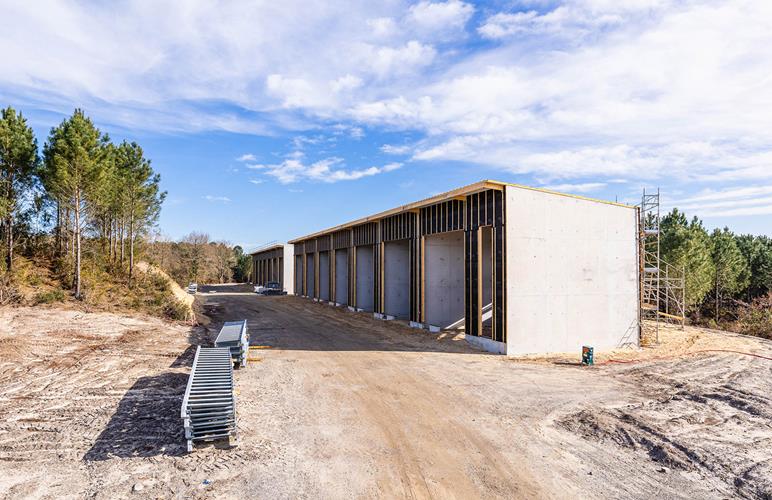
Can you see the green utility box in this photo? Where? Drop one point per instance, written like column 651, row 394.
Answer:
column 587, row 355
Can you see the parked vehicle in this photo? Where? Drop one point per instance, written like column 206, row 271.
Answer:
column 272, row 288
column 192, row 288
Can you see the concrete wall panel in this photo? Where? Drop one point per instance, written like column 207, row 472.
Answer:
column 310, row 275
column 396, row 277
column 444, row 276
column 572, row 273
column 299, row 275
column 365, row 277
column 288, row 262
column 324, row 276
column 341, row 276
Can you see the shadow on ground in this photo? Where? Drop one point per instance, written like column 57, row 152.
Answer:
column 293, row 323
column 147, row 422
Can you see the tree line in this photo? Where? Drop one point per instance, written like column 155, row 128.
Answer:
column 196, row 258
column 81, row 185
column 83, row 195
column 83, row 188
column 728, row 275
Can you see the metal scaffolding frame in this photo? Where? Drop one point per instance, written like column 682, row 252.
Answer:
column 663, row 286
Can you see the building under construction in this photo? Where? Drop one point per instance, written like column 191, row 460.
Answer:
column 273, row 263
column 518, row 269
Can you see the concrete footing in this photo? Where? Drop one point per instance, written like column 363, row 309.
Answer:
column 434, row 329
column 352, row 309
column 331, row 303
column 416, row 324
column 486, row 344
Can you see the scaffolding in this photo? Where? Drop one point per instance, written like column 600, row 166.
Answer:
column 663, row 286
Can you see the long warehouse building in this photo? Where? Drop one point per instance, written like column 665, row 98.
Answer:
column 274, row 263
column 521, row 270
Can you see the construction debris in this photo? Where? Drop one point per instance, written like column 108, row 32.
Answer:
column 209, row 406
column 233, row 335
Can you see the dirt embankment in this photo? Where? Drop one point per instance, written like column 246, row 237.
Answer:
column 176, row 290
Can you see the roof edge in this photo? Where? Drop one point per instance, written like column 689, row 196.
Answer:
column 462, row 191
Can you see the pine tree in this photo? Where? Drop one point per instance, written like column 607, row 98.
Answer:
column 731, row 269
column 141, row 195
column 757, row 251
column 18, row 162
column 687, row 245
column 75, row 166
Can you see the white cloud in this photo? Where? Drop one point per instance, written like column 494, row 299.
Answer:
column 633, row 89
column 328, row 170
column 711, row 195
column 566, row 21
column 217, row 199
column 383, row 27
column 585, row 187
column 256, row 181
column 728, row 202
column 246, row 157
column 439, row 17
column 391, row 61
column 346, row 82
column 505, row 24
column 352, row 131
column 391, row 149
column 295, row 92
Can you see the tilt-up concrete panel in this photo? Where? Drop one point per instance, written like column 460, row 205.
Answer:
column 444, row 277
column 341, row 276
column 324, row 276
column 299, row 275
column 396, row 278
column 310, row 275
column 364, row 277
column 571, row 273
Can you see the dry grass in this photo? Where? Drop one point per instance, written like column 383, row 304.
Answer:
column 673, row 343
column 151, row 290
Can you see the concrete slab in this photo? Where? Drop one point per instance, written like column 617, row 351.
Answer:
column 486, row 344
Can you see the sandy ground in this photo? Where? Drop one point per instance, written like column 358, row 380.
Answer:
column 343, row 406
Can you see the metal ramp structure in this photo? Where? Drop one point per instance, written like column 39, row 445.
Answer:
column 662, row 286
column 209, row 405
column 233, row 335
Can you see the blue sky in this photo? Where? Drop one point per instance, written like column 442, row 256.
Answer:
column 270, row 120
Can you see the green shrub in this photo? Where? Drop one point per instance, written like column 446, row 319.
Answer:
column 56, row 295
column 756, row 318
column 177, row 310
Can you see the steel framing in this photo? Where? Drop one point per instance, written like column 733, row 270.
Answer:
column 467, row 209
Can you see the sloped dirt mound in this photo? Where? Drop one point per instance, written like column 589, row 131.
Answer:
column 718, row 424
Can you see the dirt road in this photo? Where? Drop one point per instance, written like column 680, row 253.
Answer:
column 340, row 405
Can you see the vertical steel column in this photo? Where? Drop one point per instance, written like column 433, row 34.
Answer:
column 472, row 281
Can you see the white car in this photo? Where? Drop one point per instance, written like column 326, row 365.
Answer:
column 192, row 288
